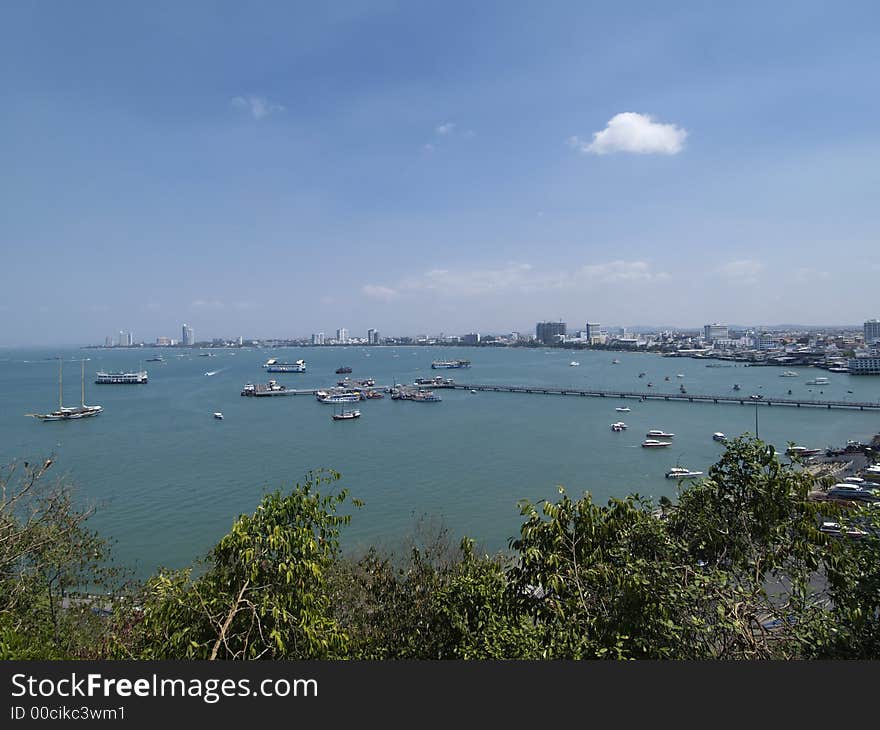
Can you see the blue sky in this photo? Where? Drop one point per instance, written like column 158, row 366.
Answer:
column 275, row 169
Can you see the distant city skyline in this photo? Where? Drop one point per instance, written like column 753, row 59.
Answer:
column 288, row 169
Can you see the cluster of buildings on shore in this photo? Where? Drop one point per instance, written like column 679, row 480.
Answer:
column 840, row 350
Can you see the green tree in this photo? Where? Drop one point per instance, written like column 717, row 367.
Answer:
column 261, row 593
column 54, row 572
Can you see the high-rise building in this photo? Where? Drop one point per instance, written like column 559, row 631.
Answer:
column 872, row 331
column 472, row 338
column 164, row 341
column 712, row 332
column 188, row 337
column 549, row 332
column 342, row 335
column 591, row 329
column 108, row 341
column 318, row 338
column 372, row 337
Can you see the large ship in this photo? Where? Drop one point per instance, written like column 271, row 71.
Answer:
column 442, row 364
column 138, row 377
column 70, row 413
column 273, row 366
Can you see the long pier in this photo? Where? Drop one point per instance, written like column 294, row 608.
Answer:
column 683, row 397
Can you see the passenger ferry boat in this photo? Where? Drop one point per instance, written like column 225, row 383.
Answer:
column 438, row 381
column 273, row 366
column 445, row 364
column 133, row 378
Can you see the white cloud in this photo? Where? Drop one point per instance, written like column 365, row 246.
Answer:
column 615, row 271
column 523, row 278
column 633, row 132
column 429, row 147
column 259, row 107
column 806, row 275
column 382, row 293
column 744, row 271
column 445, row 129
column 208, row 304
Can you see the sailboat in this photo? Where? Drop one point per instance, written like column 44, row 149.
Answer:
column 65, row 413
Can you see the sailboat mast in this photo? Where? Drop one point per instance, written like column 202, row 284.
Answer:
column 83, row 384
column 60, row 388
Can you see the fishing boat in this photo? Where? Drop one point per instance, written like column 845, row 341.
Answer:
column 343, row 369
column 346, row 415
column 69, row 413
column 736, row 386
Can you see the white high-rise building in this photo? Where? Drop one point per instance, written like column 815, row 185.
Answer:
column 318, row 338
column 188, row 337
column 712, row 332
column 372, row 337
column 872, row 331
column 342, row 335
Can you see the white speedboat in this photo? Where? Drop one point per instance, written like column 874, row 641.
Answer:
column 622, row 409
column 655, row 444
column 619, row 426
column 789, row 374
column 656, row 433
column 573, row 364
column 218, row 416
column 818, row 381
column 718, row 436
column 681, row 472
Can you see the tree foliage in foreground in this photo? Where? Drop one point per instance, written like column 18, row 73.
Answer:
column 736, row 568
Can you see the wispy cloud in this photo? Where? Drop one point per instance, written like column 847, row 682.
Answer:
column 633, row 132
column 208, row 304
column 257, row 106
column 521, row 278
column 429, row 147
column 805, row 275
column 376, row 291
column 445, row 129
column 743, row 271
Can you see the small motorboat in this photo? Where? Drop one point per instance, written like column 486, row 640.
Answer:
column 719, row 437
column 655, row 444
column 622, row 409
column 619, row 426
column 573, row 364
column 473, row 391
column 218, row 416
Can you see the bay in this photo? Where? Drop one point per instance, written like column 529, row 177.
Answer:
column 168, row 479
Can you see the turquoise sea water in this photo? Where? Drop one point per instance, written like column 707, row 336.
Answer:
column 169, row 478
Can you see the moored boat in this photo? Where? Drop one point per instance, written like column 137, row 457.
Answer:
column 655, row 444
column 657, row 433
